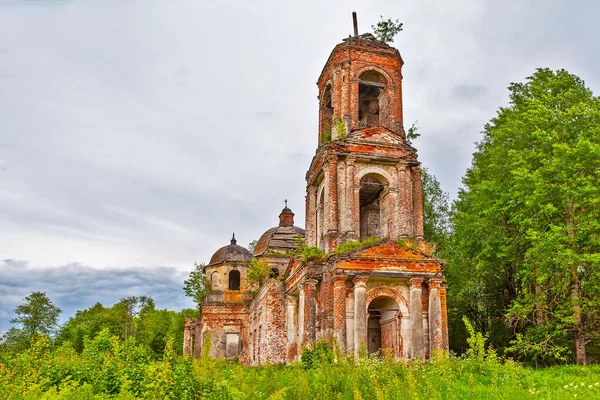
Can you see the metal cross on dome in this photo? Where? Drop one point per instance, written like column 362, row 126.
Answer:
column 285, row 201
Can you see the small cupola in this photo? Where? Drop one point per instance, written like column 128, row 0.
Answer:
column 286, row 218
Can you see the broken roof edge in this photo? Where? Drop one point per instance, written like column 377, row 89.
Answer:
column 360, row 41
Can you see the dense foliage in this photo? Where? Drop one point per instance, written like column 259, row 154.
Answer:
column 525, row 257
column 111, row 368
column 131, row 318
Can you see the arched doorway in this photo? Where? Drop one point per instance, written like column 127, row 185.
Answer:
column 382, row 325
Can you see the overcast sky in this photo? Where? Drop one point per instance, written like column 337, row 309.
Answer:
column 136, row 136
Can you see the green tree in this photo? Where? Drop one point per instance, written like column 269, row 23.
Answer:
column 527, row 224
column 252, row 245
column 436, row 213
column 127, row 311
column 37, row 316
column 196, row 286
column 87, row 323
column 436, row 204
column 386, row 29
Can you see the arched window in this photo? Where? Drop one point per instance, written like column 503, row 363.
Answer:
column 234, row 280
column 321, row 221
column 326, row 117
column 371, row 189
column 214, row 281
column 370, row 95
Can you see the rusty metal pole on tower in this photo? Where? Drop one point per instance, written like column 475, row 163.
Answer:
column 355, row 23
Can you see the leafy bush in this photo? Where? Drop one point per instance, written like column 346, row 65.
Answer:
column 312, row 254
column 340, row 128
column 320, row 355
column 258, row 272
column 111, row 368
column 326, row 136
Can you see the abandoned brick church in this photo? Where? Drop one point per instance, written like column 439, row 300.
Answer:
column 363, row 182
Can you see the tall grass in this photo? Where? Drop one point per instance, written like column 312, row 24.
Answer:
column 108, row 368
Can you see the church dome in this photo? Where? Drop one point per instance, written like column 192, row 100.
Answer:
column 231, row 253
column 280, row 239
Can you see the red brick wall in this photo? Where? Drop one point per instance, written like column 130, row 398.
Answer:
column 267, row 315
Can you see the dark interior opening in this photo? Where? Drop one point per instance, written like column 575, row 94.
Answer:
column 234, row 280
column 370, row 207
column 326, row 114
column 370, row 89
column 382, row 315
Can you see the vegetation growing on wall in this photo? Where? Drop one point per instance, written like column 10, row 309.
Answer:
column 258, row 272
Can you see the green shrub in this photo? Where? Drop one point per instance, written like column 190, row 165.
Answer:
column 340, row 128
column 258, row 272
column 319, row 356
column 312, row 254
column 326, row 135
column 110, row 368
column 351, row 246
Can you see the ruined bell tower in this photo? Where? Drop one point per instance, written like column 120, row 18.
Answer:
column 387, row 296
column 364, row 180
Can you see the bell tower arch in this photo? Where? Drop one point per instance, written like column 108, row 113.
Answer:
column 364, row 179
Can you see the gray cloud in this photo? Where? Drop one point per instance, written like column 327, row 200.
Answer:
column 467, row 92
column 76, row 286
column 144, row 133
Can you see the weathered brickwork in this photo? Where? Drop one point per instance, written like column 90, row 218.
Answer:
column 364, row 181
column 267, row 326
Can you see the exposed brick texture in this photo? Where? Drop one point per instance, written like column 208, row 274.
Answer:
column 364, row 181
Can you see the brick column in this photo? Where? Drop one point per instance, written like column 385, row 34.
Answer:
column 325, row 315
column 342, row 195
column 418, row 202
column 310, row 311
column 436, row 337
column 352, row 211
column 311, row 215
column 339, row 310
column 350, row 320
column 360, row 312
column 444, row 307
column 394, row 212
column 404, row 205
column 187, row 336
column 197, row 336
column 416, row 318
column 331, row 205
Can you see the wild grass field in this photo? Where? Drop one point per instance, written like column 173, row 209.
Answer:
column 110, row 368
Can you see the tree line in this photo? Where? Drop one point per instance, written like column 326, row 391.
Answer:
column 134, row 317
